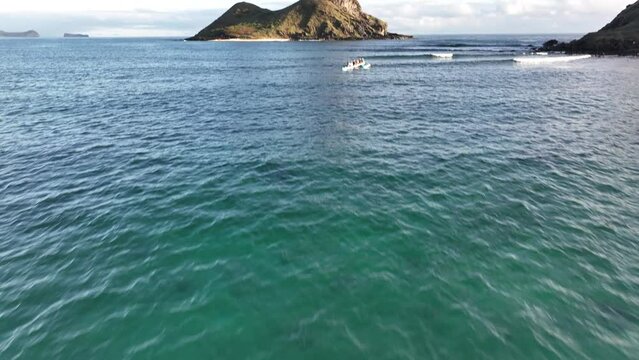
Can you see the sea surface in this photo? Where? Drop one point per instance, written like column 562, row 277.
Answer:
column 161, row 199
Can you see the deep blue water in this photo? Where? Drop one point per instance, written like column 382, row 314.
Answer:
column 162, row 199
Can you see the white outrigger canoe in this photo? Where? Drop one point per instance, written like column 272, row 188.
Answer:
column 364, row 66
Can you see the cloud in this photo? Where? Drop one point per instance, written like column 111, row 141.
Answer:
column 186, row 17
column 138, row 22
column 496, row 16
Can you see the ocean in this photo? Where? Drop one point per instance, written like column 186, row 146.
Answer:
column 162, row 199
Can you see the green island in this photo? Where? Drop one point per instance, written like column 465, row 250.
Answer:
column 304, row 20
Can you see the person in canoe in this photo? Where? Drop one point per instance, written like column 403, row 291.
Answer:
column 357, row 62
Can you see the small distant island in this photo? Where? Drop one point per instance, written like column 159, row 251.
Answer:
column 620, row 37
column 25, row 34
column 304, row 20
column 68, row 35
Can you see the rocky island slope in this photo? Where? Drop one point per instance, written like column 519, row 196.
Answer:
column 25, row 34
column 620, row 37
column 304, row 20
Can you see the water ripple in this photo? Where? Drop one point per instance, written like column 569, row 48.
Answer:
column 163, row 199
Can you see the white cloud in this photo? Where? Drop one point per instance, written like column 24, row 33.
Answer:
column 496, row 16
column 185, row 17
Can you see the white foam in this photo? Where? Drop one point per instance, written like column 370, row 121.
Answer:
column 441, row 55
column 549, row 59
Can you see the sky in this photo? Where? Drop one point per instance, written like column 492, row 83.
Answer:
column 417, row 17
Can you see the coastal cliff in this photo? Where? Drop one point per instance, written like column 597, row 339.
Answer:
column 619, row 37
column 25, row 34
column 304, row 20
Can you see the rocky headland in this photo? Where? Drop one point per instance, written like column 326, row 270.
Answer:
column 620, row 37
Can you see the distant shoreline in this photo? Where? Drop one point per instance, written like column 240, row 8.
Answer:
column 251, row 40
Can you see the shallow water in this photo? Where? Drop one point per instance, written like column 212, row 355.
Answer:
column 163, row 199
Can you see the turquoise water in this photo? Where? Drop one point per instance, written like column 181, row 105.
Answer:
column 170, row 200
